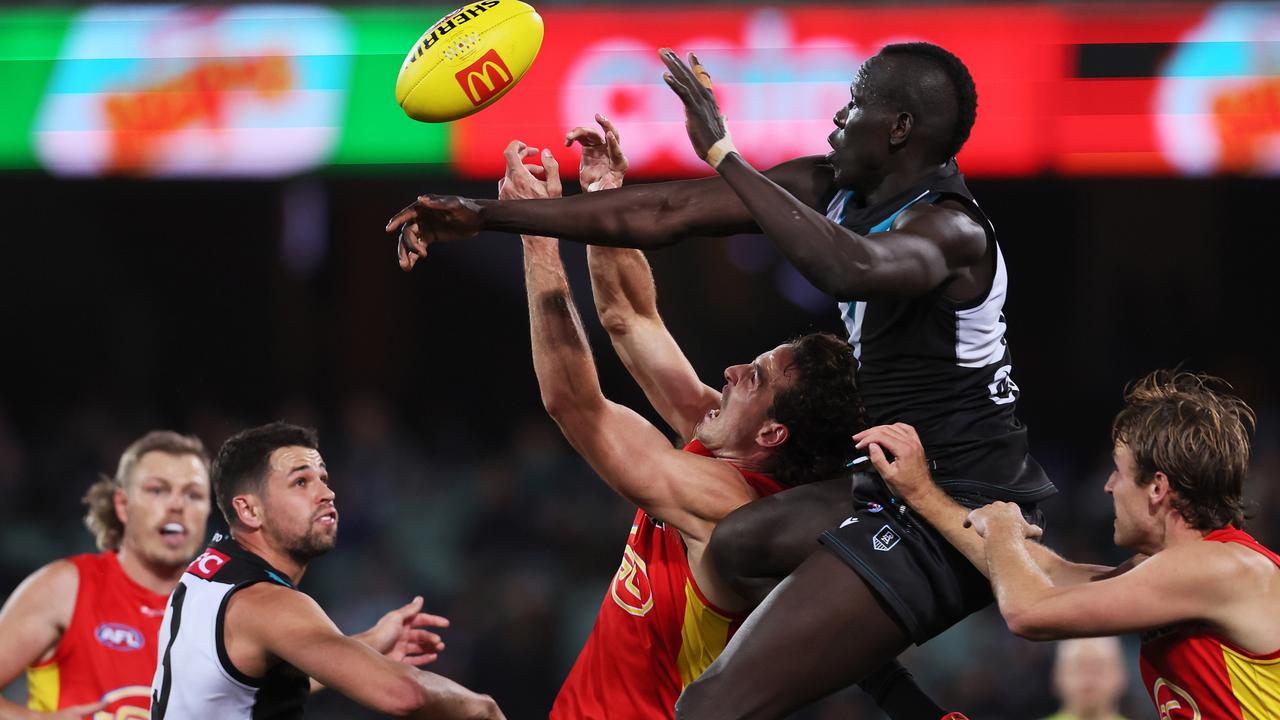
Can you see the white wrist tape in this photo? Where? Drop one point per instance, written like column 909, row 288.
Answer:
column 717, row 153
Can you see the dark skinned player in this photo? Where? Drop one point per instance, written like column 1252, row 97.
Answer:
column 885, row 224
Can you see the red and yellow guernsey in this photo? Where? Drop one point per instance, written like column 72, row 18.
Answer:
column 655, row 632
column 108, row 651
column 1193, row 675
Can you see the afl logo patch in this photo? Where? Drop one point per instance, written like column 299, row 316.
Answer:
column 120, row 637
column 885, row 539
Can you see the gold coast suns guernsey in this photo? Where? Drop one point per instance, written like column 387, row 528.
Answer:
column 108, row 651
column 1192, row 675
column 655, row 632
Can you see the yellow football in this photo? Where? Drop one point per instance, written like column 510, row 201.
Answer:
column 468, row 60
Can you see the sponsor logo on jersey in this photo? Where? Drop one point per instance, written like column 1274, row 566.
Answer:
column 631, row 590
column 874, row 507
column 208, row 564
column 848, row 521
column 1172, row 702
column 885, row 539
column 484, row 78
column 120, row 637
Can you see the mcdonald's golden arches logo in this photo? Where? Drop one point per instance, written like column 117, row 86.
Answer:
column 485, row 78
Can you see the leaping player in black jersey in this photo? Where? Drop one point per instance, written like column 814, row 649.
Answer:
column 885, row 224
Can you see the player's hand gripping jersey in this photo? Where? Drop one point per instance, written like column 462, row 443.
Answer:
column 655, row 632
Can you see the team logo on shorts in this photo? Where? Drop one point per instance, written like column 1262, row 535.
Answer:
column 885, row 539
column 119, row 637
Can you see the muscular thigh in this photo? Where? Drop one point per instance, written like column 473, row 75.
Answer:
column 820, row 630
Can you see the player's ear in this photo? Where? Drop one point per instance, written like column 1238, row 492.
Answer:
column 248, row 509
column 1158, row 489
column 120, row 501
column 772, row 434
column 903, row 124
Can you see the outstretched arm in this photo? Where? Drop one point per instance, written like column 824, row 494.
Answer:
column 639, row 216
column 274, row 622
column 907, row 475
column 926, row 246
column 627, row 303
column 1180, row 584
column 688, row 491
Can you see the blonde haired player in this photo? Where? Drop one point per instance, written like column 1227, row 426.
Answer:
column 84, row 627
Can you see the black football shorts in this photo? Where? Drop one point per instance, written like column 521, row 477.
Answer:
column 924, row 581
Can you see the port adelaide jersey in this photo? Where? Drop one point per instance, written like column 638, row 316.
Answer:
column 943, row 366
column 195, row 677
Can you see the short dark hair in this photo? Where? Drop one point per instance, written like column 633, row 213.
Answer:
column 1191, row 428
column 242, row 461
column 821, row 408
column 933, row 101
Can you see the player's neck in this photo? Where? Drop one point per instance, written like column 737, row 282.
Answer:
column 1178, row 532
column 898, row 180
column 159, row 579
column 255, row 543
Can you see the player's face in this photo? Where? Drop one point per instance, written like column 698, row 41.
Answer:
column 859, row 144
column 299, row 516
column 165, row 507
column 745, row 401
column 1135, row 520
column 1090, row 676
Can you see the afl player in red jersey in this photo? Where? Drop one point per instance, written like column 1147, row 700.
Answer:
column 1202, row 593
column 778, row 421
column 84, row 628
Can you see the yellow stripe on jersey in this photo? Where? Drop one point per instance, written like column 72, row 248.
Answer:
column 1255, row 683
column 702, row 637
column 42, row 687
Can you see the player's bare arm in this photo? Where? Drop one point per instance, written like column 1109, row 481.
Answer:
column 627, row 303
column 267, row 623
column 690, row 492
column 907, row 475
column 31, row 624
column 644, row 216
column 927, row 245
column 1222, row 586
column 400, row 635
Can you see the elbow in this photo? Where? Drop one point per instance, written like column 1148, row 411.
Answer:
column 1025, row 624
column 485, row 708
column 404, row 697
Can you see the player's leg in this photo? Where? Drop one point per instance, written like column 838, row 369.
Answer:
column 821, row 630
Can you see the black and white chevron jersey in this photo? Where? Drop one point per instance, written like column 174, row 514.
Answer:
column 195, row 678
column 941, row 366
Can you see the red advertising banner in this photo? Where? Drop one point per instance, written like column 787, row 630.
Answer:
column 1073, row 89
column 779, row 74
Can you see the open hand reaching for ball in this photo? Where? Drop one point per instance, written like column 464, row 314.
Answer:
column 603, row 164
column 525, row 181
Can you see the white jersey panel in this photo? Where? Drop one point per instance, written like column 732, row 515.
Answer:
column 197, row 685
column 980, row 330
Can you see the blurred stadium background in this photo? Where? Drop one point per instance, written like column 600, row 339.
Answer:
column 193, row 204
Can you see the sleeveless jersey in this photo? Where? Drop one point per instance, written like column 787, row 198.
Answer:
column 108, row 651
column 1192, row 675
column 195, row 677
column 942, row 366
column 655, row 632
